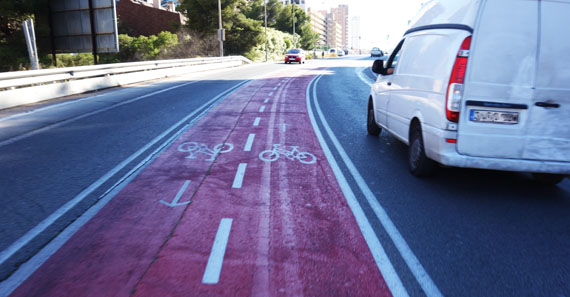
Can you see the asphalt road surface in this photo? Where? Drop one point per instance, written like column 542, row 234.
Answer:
column 258, row 181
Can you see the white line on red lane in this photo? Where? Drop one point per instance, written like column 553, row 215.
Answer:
column 238, row 180
column 380, row 257
column 249, row 142
column 214, row 266
column 256, row 122
column 261, row 109
column 423, row 278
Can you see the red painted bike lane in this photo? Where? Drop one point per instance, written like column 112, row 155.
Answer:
column 270, row 193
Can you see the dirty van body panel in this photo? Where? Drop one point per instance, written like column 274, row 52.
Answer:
column 499, row 85
column 420, row 82
column 548, row 128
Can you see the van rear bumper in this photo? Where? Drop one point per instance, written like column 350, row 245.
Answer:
column 446, row 153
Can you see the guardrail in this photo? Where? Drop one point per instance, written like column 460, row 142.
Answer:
column 25, row 87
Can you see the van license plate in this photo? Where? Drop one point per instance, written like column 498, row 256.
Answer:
column 489, row 116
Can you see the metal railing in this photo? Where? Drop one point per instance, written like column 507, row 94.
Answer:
column 24, row 87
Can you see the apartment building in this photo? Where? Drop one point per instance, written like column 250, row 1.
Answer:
column 340, row 16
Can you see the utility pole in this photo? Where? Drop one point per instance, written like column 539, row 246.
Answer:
column 266, row 40
column 220, row 30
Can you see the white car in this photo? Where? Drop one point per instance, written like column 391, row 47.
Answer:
column 479, row 84
column 340, row 52
column 376, row 52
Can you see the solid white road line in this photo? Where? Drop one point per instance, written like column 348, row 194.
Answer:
column 427, row 284
column 266, row 100
column 238, row 180
column 256, row 122
column 34, row 263
column 214, row 266
column 249, row 143
column 376, row 248
column 262, row 108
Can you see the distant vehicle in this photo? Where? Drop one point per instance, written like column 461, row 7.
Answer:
column 340, row 52
column 480, row 104
column 332, row 51
column 295, row 55
column 376, row 52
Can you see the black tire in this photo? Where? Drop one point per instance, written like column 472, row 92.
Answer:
column 418, row 163
column 548, row 178
column 371, row 125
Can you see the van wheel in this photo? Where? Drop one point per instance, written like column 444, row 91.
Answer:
column 371, row 125
column 547, row 178
column 418, row 163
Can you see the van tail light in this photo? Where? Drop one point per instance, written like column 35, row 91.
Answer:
column 455, row 87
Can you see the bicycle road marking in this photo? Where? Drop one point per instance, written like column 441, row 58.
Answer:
column 238, row 180
column 256, row 122
column 194, row 148
column 249, row 143
column 216, row 259
column 278, row 150
column 262, row 108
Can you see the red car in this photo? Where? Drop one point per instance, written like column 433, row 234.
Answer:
column 295, row 55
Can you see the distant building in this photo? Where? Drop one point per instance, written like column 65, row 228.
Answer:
column 301, row 3
column 319, row 25
column 340, row 16
column 355, row 33
column 146, row 18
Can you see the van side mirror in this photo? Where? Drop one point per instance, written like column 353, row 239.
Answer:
column 378, row 67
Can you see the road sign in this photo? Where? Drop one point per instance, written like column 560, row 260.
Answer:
column 72, row 22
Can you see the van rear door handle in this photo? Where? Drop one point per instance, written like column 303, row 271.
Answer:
column 547, row 104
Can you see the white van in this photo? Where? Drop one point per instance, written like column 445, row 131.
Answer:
column 480, row 84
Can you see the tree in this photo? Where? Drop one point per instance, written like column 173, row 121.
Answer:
column 255, row 10
column 242, row 33
column 203, row 14
column 284, row 21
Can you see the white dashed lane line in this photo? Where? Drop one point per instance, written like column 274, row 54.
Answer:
column 266, row 100
column 238, row 180
column 256, row 122
column 261, row 109
column 214, row 266
column 249, row 143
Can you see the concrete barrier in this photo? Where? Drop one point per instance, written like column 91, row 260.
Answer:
column 25, row 87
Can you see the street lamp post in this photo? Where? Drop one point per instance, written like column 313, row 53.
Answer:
column 220, row 30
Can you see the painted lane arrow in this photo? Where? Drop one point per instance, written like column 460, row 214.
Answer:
column 177, row 198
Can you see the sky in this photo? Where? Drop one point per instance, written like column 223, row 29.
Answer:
column 379, row 19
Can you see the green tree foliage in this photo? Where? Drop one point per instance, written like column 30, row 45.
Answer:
column 242, row 34
column 255, row 10
column 284, row 21
column 141, row 48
